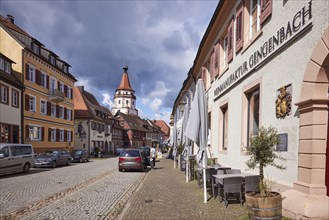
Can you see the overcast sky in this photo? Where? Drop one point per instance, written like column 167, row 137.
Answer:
column 158, row 40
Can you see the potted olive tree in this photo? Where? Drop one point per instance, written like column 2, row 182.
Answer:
column 265, row 203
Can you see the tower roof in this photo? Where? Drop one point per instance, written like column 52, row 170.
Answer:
column 125, row 83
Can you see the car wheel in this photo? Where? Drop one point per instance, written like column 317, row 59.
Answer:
column 120, row 170
column 68, row 162
column 80, row 160
column 53, row 164
column 26, row 168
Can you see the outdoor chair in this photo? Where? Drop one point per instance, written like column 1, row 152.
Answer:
column 216, row 182
column 251, row 184
column 231, row 185
column 199, row 177
column 233, row 171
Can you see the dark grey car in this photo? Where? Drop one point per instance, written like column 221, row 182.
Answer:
column 52, row 158
column 80, row 156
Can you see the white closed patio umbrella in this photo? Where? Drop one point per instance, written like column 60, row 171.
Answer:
column 184, row 139
column 197, row 128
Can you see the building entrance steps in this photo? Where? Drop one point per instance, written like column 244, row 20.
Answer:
column 164, row 194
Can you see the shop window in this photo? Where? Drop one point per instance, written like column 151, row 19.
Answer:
column 223, row 136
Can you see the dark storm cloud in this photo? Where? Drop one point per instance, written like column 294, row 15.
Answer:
column 157, row 39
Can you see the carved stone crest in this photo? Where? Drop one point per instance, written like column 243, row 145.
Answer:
column 283, row 102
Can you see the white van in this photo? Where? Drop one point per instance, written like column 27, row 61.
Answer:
column 16, row 158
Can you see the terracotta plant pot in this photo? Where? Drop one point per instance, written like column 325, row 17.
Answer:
column 264, row 207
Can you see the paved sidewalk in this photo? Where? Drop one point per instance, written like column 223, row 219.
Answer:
column 164, row 194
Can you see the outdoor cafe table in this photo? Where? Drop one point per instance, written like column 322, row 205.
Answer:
column 220, row 178
column 212, row 167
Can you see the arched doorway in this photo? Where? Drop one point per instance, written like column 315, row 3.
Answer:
column 313, row 160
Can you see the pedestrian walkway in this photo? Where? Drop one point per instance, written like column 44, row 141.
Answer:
column 164, row 194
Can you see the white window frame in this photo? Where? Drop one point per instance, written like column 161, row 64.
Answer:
column 14, row 95
column 43, row 110
column 68, row 137
column 53, row 134
column 35, row 132
column 32, row 101
column 44, row 81
column 68, row 92
column 61, row 86
column 61, row 134
column 31, row 73
column 225, row 51
column 61, row 112
column 53, row 84
column 69, row 114
column 7, row 67
column 251, row 21
column 53, row 110
column 2, row 64
column 4, row 94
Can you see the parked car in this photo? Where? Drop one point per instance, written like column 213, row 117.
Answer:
column 132, row 159
column 16, row 158
column 79, row 156
column 146, row 150
column 53, row 158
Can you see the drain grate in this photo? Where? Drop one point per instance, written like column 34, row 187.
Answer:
column 148, row 200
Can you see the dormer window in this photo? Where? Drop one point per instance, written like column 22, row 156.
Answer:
column 52, row 60
column 65, row 68
column 5, row 65
column 35, row 48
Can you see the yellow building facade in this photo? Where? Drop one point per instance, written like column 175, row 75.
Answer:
column 48, row 96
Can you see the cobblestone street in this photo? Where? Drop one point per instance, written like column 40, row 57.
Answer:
column 80, row 191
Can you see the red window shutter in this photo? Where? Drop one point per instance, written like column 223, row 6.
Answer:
column 58, row 84
column 65, row 135
column 48, row 108
column 27, row 131
column 37, row 77
column 57, row 134
column 213, row 63
column 27, row 102
column 65, row 90
column 49, row 134
column 71, row 93
column 239, row 27
column 42, row 133
column 57, row 111
column 266, row 10
column 230, row 40
column 217, row 58
column 48, row 86
column 27, row 71
column 65, row 113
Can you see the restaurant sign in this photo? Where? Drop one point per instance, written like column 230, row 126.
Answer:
column 283, row 36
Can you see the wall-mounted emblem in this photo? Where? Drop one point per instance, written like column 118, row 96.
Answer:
column 283, row 101
column 81, row 131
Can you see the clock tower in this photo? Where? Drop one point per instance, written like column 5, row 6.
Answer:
column 124, row 98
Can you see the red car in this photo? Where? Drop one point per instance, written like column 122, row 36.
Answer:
column 132, row 159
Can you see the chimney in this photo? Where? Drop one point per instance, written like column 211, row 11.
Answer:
column 11, row 18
